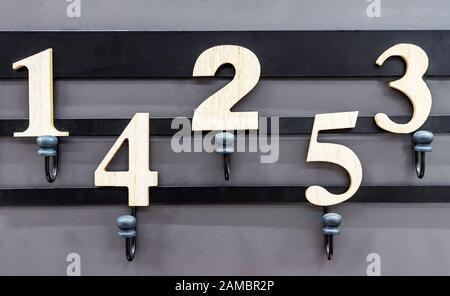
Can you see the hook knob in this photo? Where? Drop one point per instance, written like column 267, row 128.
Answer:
column 127, row 226
column 331, row 223
column 224, row 143
column 47, row 145
column 423, row 140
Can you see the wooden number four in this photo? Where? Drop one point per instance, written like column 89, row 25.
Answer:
column 214, row 113
column 411, row 84
column 40, row 81
column 333, row 153
column 138, row 178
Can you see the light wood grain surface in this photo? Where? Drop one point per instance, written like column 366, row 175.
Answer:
column 214, row 113
column 138, row 178
column 411, row 84
column 333, row 153
column 40, row 85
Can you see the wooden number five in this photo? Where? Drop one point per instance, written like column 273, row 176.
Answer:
column 40, row 81
column 333, row 153
column 411, row 84
column 138, row 178
column 214, row 113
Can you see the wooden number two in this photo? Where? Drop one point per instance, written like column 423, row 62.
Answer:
column 411, row 84
column 138, row 178
column 333, row 153
column 40, row 81
column 214, row 113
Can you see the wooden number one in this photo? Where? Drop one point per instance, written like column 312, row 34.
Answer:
column 40, row 84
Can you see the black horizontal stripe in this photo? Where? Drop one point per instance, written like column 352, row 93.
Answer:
column 162, row 126
column 215, row 195
column 119, row 54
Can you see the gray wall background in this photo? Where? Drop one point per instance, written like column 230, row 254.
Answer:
column 411, row 239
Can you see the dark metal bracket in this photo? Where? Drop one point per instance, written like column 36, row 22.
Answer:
column 281, row 53
column 161, row 127
column 216, row 195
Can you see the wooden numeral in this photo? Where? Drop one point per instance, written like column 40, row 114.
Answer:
column 333, row 153
column 411, row 84
column 214, row 113
column 138, row 178
column 40, row 81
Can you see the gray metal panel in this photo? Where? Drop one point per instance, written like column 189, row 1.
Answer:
column 231, row 240
column 168, row 98
column 224, row 15
column 227, row 240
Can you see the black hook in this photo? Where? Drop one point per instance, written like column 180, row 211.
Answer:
column 127, row 225
column 331, row 223
column 226, row 166
column 224, row 142
column 422, row 141
column 48, row 147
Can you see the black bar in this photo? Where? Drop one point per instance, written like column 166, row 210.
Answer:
column 173, row 54
column 216, row 195
column 161, row 127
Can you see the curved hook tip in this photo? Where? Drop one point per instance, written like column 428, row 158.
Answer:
column 130, row 248
column 130, row 242
column 51, row 168
column 420, row 164
column 329, row 247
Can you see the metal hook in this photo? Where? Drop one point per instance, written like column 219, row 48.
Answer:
column 420, row 164
column 329, row 246
column 51, row 167
column 422, row 140
column 330, row 222
column 224, row 142
column 127, row 225
column 48, row 147
column 226, row 166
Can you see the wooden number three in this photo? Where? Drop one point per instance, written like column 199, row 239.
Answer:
column 40, row 81
column 333, row 153
column 214, row 113
column 138, row 178
column 411, row 84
